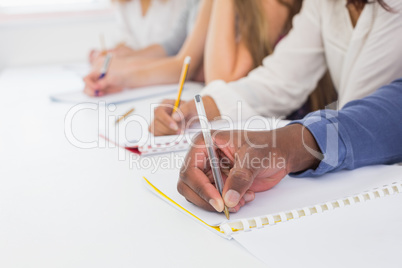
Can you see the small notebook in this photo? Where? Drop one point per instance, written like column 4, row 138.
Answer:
column 127, row 95
column 155, row 145
column 291, row 199
column 134, row 137
column 139, row 141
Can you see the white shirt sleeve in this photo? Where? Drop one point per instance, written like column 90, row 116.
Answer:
column 286, row 78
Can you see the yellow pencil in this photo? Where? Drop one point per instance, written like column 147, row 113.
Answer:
column 125, row 115
column 184, row 71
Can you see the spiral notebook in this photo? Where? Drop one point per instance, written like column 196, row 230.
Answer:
column 135, row 139
column 291, row 199
column 366, row 235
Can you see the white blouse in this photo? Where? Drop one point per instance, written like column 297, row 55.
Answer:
column 139, row 31
column 360, row 60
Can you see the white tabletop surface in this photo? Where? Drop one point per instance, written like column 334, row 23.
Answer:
column 63, row 206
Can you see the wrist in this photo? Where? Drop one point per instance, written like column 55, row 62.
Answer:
column 303, row 151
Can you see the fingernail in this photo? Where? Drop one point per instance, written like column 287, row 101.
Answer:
column 232, row 198
column 174, row 126
column 176, row 117
column 96, row 92
column 248, row 197
column 218, row 206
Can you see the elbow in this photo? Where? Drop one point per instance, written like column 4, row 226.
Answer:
column 227, row 77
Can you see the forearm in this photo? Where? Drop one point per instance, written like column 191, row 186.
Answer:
column 225, row 57
column 195, row 43
column 364, row 132
column 152, row 51
column 163, row 71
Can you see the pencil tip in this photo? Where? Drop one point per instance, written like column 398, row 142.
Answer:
column 226, row 211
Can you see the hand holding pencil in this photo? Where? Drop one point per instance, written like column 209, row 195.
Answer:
column 106, row 79
column 172, row 116
column 249, row 163
column 168, row 123
column 163, row 123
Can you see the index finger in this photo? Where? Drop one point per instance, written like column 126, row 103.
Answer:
column 91, row 83
column 197, row 188
column 195, row 174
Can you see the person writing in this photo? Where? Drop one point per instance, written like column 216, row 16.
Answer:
column 357, row 41
column 364, row 132
column 157, row 62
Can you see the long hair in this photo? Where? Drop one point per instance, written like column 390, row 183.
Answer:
column 253, row 26
column 360, row 4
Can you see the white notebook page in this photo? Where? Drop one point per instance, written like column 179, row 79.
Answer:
column 290, row 193
column 78, row 96
column 367, row 234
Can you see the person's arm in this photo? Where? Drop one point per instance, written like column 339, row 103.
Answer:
column 168, row 70
column 151, row 52
column 364, row 132
column 287, row 76
column 226, row 58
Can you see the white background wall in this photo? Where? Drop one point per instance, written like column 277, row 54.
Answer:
column 52, row 39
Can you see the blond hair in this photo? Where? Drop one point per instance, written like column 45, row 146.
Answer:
column 253, row 26
column 253, row 29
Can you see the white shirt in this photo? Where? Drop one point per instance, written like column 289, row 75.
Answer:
column 182, row 29
column 139, row 31
column 360, row 60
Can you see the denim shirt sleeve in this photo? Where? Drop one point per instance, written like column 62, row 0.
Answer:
column 364, row 132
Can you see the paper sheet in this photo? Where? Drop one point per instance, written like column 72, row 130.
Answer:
column 78, row 96
column 363, row 235
column 290, row 193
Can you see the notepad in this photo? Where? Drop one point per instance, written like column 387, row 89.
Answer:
column 291, row 199
column 366, row 234
column 156, row 145
column 78, row 96
column 138, row 140
column 133, row 136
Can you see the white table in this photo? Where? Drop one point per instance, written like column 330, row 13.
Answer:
column 62, row 206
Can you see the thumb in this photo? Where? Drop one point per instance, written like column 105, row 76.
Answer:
column 240, row 179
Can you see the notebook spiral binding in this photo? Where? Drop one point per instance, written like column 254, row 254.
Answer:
column 269, row 220
column 164, row 147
